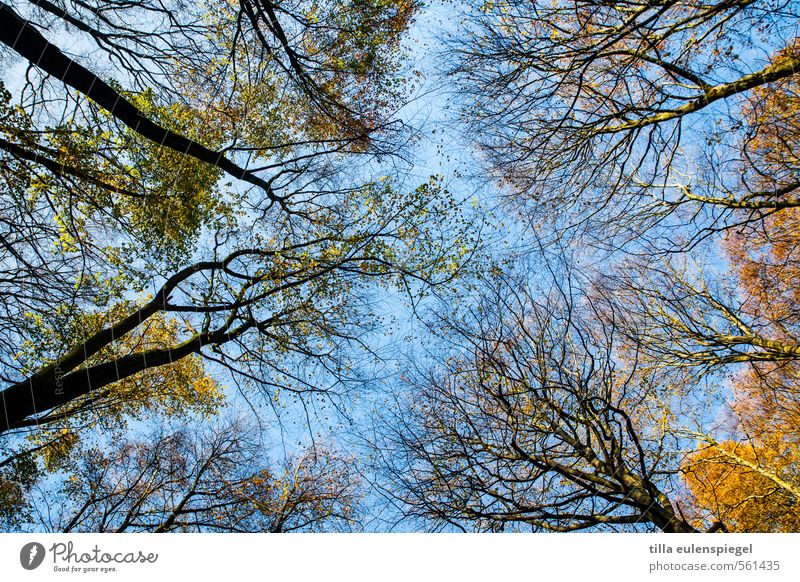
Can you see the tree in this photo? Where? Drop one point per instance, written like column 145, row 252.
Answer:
column 196, row 480
column 318, row 63
column 194, row 196
column 202, row 198
column 531, row 421
column 749, row 482
column 617, row 118
column 646, row 128
column 295, row 300
column 119, row 221
column 739, row 331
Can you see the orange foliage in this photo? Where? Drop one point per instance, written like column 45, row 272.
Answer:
column 753, row 484
column 772, row 148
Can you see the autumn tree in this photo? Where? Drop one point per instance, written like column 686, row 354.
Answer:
column 213, row 479
column 649, row 130
column 614, row 121
column 201, row 197
column 532, row 422
column 195, row 199
column 739, row 330
column 747, row 480
column 222, row 206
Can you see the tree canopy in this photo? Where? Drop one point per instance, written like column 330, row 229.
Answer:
column 265, row 266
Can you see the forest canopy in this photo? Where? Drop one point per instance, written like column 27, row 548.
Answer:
column 304, row 265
